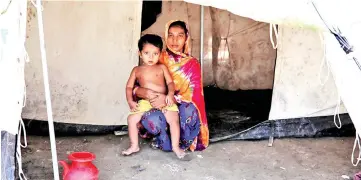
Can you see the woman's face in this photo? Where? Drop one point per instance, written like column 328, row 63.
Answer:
column 176, row 38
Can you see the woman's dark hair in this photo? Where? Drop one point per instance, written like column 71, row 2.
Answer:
column 153, row 39
column 180, row 24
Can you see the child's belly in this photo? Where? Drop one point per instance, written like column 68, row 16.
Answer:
column 160, row 88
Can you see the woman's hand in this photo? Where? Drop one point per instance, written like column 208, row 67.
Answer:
column 145, row 93
column 158, row 100
column 170, row 100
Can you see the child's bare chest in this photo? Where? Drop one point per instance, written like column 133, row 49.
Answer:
column 150, row 75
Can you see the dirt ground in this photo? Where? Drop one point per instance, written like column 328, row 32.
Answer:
column 296, row 159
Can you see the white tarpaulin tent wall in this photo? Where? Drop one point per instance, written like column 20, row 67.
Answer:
column 302, row 86
column 90, row 56
column 12, row 61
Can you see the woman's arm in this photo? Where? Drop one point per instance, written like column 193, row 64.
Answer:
column 169, row 81
column 144, row 93
column 158, row 101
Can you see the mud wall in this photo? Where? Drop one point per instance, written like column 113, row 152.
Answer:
column 237, row 51
column 91, row 48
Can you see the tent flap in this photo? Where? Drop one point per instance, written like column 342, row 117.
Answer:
column 300, row 13
column 303, row 83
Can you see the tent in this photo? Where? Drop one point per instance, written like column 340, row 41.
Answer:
column 298, row 24
column 295, row 93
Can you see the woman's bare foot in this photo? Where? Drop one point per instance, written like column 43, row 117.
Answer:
column 130, row 150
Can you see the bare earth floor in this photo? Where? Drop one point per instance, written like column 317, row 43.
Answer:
column 322, row 158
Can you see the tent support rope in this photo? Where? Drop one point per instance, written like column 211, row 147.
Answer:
column 348, row 49
column 356, row 142
column 273, row 27
column 338, row 103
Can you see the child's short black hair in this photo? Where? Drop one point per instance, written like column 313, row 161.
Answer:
column 180, row 24
column 153, row 39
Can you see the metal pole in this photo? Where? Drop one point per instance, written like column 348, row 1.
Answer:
column 202, row 39
column 47, row 90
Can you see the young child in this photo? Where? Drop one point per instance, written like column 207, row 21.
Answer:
column 156, row 77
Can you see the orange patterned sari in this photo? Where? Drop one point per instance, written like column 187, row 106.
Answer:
column 187, row 77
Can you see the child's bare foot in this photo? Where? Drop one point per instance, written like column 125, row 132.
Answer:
column 130, row 150
column 182, row 155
